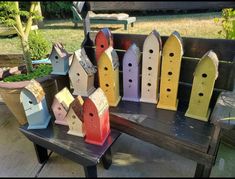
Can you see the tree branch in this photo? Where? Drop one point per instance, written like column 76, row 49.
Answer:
column 30, row 18
column 19, row 25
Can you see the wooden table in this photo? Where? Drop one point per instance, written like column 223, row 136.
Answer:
column 56, row 139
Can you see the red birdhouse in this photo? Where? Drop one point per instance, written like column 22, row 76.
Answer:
column 103, row 41
column 96, row 118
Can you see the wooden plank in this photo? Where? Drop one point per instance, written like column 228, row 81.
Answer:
column 157, row 138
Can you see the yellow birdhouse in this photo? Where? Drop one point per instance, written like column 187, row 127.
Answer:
column 108, row 72
column 205, row 74
column 152, row 50
column 170, row 72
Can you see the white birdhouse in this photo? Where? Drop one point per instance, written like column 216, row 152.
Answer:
column 34, row 102
column 151, row 61
column 81, row 74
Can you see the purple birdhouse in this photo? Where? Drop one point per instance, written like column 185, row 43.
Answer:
column 131, row 74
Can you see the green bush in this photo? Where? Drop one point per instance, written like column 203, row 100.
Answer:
column 39, row 46
column 227, row 22
column 40, row 71
column 56, row 9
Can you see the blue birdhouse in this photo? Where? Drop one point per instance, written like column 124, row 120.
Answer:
column 59, row 58
column 34, row 102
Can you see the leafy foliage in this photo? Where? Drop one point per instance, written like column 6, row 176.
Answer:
column 227, row 22
column 56, row 9
column 40, row 71
column 39, row 46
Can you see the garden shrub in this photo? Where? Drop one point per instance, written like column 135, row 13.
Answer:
column 39, row 46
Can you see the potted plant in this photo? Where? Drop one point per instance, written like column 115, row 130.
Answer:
column 10, row 87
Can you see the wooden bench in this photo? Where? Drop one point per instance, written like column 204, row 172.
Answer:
column 56, row 139
column 171, row 130
column 93, row 20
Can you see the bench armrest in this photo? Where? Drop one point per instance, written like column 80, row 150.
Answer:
column 224, row 110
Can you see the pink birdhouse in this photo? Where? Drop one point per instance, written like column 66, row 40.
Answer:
column 96, row 118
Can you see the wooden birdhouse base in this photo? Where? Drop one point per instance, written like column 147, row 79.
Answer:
column 201, row 118
column 40, row 126
column 168, row 107
column 59, row 73
column 115, row 103
column 71, row 132
column 61, row 122
column 146, row 100
column 84, row 93
column 95, row 142
column 130, row 99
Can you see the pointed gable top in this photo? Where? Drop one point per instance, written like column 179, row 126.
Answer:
column 59, row 49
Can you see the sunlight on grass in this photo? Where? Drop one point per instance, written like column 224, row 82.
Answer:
column 199, row 25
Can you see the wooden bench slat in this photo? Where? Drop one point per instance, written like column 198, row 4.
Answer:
column 171, row 123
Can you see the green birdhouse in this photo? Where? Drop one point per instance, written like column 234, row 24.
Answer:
column 205, row 74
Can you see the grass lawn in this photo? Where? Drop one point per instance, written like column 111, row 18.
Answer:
column 191, row 25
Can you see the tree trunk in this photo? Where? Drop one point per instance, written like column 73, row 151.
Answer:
column 26, row 54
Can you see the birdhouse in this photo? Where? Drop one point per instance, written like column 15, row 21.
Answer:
column 75, row 119
column 205, row 74
column 60, row 105
column 96, row 118
column 81, row 74
column 59, row 59
column 131, row 74
column 151, row 62
column 108, row 73
column 170, row 72
column 34, row 102
column 103, row 41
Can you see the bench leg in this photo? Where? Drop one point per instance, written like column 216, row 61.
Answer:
column 75, row 24
column 125, row 26
column 202, row 171
column 90, row 171
column 107, row 159
column 132, row 24
column 41, row 153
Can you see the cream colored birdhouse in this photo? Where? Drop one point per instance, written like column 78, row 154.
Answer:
column 108, row 72
column 60, row 105
column 81, row 74
column 151, row 62
column 75, row 119
column 170, row 72
column 205, row 74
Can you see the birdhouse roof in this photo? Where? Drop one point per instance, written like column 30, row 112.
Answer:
column 210, row 55
column 134, row 49
column 36, row 89
column 86, row 63
column 176, row 36
column 157, row 35
column 100, row 101
column 76, row 106
column 59, row 49
column 64, row 97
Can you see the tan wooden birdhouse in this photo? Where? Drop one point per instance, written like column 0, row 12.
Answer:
column 60, row 106
column 108, row 72
column 59, row 58
column 170, row 72
column 75, row 119
column 151, row 62
column 81, row 74
column 205, row 74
